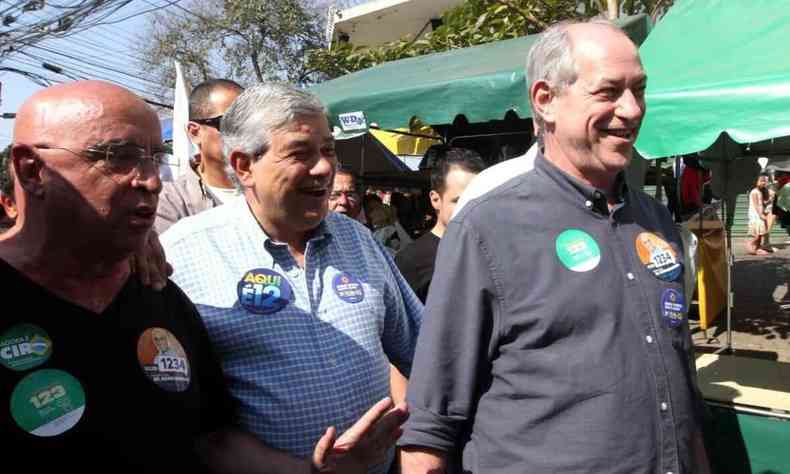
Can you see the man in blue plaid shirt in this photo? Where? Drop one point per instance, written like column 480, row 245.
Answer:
column 305, row 309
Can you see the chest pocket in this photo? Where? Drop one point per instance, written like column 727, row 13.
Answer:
column 355, row 305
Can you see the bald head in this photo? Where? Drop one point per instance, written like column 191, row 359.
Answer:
column 83, row 113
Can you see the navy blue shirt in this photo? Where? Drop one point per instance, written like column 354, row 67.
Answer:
column 555, row 337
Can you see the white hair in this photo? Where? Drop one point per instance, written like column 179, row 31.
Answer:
column 260, row 111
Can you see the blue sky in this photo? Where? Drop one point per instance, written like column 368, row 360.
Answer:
column 102, row 52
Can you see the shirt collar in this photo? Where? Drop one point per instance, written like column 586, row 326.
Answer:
column 589, row 196
column 252, row 227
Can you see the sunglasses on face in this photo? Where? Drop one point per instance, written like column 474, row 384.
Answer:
column 213, row 122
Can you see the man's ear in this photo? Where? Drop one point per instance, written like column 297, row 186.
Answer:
column 542, row 96
column 242, row 165
column 193, row 132
column 436, row 199
column 28, row 169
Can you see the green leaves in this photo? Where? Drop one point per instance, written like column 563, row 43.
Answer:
column 472, row 23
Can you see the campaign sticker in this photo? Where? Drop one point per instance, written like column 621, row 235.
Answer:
column 577, row 250
column 264, row 291
column 673, row 307
column 163, row 359
column 658, row 256
column 24, row 346
column 348, row 288
column 47, row 402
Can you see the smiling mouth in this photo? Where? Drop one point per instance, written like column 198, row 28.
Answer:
column 624, row 133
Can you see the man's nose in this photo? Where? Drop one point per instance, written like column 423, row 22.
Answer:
column 630, row 107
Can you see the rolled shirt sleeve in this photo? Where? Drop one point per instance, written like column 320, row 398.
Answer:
column 454, row 348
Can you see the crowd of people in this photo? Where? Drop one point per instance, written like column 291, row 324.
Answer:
column 264, row 313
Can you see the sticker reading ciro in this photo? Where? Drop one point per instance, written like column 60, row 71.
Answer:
column 577, row 250
column 348, row 288
column 658, row 256
column 24, row 346
column 263, row 291
column 163, row 359
column 673, row 307
column 47, row 402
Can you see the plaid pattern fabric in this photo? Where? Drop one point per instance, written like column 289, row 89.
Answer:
column 322, row 359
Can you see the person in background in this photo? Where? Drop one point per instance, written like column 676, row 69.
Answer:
column 452, row 170
column 209, row 184
column 9, row 212
column 761, row 217
column 346, row 196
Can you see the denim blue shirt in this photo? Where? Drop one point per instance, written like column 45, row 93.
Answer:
column 302, row 348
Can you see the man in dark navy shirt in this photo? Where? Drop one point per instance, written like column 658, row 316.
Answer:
column 555, row 336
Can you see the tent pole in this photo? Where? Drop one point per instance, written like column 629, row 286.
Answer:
column 728, row 248
column 362, row 154
column 728, row 256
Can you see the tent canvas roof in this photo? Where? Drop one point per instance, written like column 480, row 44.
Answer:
column 716, row 66
column 482, row 83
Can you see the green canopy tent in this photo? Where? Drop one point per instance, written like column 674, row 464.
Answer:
column 719, row 85
column 481, row 83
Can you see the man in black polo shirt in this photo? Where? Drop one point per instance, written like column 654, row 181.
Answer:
column 555, row 338
column 451, row 171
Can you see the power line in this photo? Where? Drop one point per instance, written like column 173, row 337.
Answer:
column 65, row 55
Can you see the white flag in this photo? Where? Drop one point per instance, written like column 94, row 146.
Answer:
column 182, row 146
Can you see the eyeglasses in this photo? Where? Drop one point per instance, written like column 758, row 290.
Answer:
column 117, row 158
column 210, row 122
column 350, row 195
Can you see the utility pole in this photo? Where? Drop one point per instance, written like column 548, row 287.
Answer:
column 613, row 9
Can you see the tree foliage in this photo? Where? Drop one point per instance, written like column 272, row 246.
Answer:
column 245, row 40
column 471, row 23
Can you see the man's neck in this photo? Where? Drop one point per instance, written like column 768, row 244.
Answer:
column 281, row 232
column 213, row 174
column 84, row 277
column 596, row 179
column 438, row 230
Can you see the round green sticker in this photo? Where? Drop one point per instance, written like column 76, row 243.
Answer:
column 47, row 402
column 24, row 346
column 577, row 250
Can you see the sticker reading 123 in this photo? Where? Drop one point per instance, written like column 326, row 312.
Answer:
column 47, row 402
column 348, row 288
column 163, row 359
column 24, row 346
column 263, row 291
column 673, row 307
column 577, row 250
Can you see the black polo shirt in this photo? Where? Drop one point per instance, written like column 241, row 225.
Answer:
column 416, row 262
column 555, row 338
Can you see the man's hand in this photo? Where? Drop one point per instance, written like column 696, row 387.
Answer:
column 150, row 265
column 362, row 445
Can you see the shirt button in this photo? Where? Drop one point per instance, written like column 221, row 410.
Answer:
column 669, row 472
column 664, row 406
column 629, row 275
column 649, row 339
column 588, row 203
column 332, row 361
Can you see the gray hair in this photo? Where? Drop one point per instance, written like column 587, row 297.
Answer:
column 260, row 111
column 551, row 60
